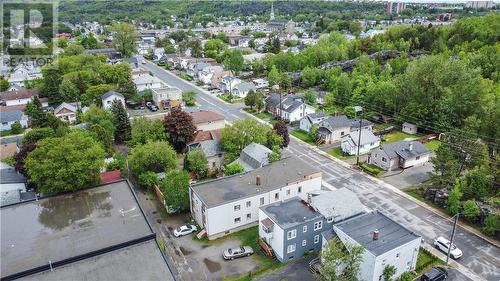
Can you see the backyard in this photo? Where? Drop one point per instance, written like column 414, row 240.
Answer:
column 395, row 136
column 303, row 136
column 433, row 145
column 337, row 153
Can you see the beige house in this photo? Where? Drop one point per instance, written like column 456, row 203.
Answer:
column 167, row 97
column 205, row 120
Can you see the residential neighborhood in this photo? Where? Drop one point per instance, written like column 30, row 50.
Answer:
column 250, row 140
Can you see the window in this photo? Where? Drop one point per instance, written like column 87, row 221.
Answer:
column 249, row 216
column 237, row 207
column 290, row 248
column 316, row 239
column 288, row 192
column 418, row 157
column 261, row 201
column 249, row 203
column 384, row 159
column 329, row 220
column 342, row 133
column 304, row 243
column 291, row 234
column 318, row 225
column 237, row 220
column 397, row 255
column 300, row 189
column 276, row 196
column 304, row 228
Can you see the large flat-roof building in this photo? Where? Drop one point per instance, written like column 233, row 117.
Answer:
column 92, row 234
column 232, row 203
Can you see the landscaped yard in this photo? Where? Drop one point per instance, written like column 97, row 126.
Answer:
column 395, row 136
column 226, row 98
column 425, row 261
column 303, row 136
column 372, row 169
column 337, row 153
column 433, row 145
column 261, row 115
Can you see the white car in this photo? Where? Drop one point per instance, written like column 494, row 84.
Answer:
column 443, row 244
column 184, row 230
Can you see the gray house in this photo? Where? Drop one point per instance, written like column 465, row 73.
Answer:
column 311, row 119
column 293, row 227
column 401, row 154
column 331, row 129
column 253, row 156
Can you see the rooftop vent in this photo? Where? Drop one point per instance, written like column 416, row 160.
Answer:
column 257, row 180
column 376, row 234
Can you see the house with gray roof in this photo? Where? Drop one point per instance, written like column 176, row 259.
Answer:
column 402, row 154
column 384, row 242
column 366, row 141
column 108, row 98
column 7, row 118
column 290, row 108
column 229, row 204
column 332, row 128
column 294, row 227
column 12, row 186
column 253, row 156
column 241, row 90
column 311, row 119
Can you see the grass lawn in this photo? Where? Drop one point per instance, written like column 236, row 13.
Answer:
column 303, row 136
column 261, row 115
column 415, row 194
column 248, row 237
column 372, row 169
column 381, row 126
column 337, row 153
column 225, row 97
column 433, row 145
column 396, row 136
column 8, row 133
column 426, row 260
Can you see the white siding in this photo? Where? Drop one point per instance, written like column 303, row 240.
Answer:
column 17, row 102
column 414, row 162
column 275, row 239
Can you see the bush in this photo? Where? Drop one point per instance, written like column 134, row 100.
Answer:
column 118, row 163
column 148, row 179
column 16, row 128
column 492, row 224
column 234, row 168
column 471, row 210
column 189, row 98
column 406, row 276
column 196, row 162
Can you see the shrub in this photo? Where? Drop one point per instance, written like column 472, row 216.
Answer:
column 234, row 168
column 16, row 128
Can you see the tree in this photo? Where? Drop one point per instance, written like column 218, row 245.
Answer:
column 282, row 130
column 453, row 204
column 121, row 122
column 145, row 130
column 148, row 179
column 196, row 162
column 196, row 49
column 35, row 111
column 274, row 77
column 335, row 255
column 492, row 224
column 389, row 271
column 20, row 157
column 254, row 98
column 406, row 276
column 73, row 49
column 313, row 132
column 214, row 48
column 310, row 97
column 65, row 163
column 36, row 134
column 476, row 183
column 175, row 188
column 4, row 84
column 471, row 210
column 103, row 137
column 189, row 98
column 16, row 128
column 233, row 61
column 93, row 93
column 233, row 168
column 180, row 128
column 124, row 38
column 153, row 156
column 99, row 116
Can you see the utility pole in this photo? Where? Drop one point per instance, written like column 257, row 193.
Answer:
column 359, row 112
column 452, row 236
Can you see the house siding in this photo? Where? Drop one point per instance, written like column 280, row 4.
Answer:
column 308, row 236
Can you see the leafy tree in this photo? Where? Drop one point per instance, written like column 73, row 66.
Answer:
column 103, row 137
column 311, row 76
column 233, row 168
column 180, row 128
column 20, row 157
column 36, row 134
column 471, row 210
column 214, row 48
column 4, row 84
column 313, row 132
column 16, row 128
column 310, row 97
column 233, row 61
column 73, row 50
column 93, row 93
column 189, row 98
column 175, row 188
column 148, row 179
column 274, row 77
column 453, row 204
column 476, row 183
column 124, row 38
column 145, row 130
column 118, row 163
column 65, row 163
column 406, row 276
column 492, row 224
column 35, row 111
column 121, row 122
column 98, row 116
column 254, row 98
column 153, row 156
column 336, row 254
column 196, row 162
column 282, row 130
column 389, row 271
column 196, row 49
column 275, row 155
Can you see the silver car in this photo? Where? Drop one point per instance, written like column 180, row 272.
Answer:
column 237, row 252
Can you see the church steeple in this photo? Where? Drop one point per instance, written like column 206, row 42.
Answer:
column 272, row 11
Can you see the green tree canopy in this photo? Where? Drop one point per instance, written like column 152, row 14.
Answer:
column 124, row 38
column 175, row 188
column 196, row 162
column 145, row 130
column 153, row 156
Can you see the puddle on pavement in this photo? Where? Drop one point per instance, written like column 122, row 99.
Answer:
column 211, row 265
column 177, row 252
column 185, row 251
column 170, row 228
column 204, row 246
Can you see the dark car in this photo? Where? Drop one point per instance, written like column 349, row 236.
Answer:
column 135, row 105
column 435, row 274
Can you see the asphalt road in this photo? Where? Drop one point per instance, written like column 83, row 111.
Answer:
column 481, row 259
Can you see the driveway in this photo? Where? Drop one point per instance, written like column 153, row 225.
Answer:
column 294, row 271
column 408, row 177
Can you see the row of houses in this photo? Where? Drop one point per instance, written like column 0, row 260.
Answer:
column 295, row 216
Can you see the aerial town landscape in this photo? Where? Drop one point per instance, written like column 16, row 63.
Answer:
column 250, row 140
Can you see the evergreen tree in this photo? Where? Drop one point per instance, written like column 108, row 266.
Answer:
column 121, row 122
column 35, row 111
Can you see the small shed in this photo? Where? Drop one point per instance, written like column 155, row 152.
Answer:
column 409, row 128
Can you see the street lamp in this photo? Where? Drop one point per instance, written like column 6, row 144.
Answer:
column 452, row 236
column 359, row 112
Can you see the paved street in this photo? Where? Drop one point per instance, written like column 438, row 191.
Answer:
column 480, row 257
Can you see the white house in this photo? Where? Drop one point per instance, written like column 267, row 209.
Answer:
column 18, row 97
column 67, row 111
column 401, row 154
column 229, row 204
column 311, row 119
column 108, row 98
column 260, row 83
column 385, row 243
column 292, row 107
column 7, row 118
column 227, row 83
column 349, row 142
column 241, row 90
column 144, row 82
column 206, row 75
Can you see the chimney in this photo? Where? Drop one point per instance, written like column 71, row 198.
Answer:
column 376, row 234
column 410, row 146
column 257, row 180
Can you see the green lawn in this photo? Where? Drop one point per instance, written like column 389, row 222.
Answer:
column 303, row 136
column 426, row 260
column 225, row 97
column 9, row 133
column 381, row 126
column 261, row 115
column 372, row 169
column 337, row 153
column 396, row 136
column 433, row 145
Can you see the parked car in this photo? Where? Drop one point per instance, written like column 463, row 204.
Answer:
column 135, row 105
column 151, row 106
column 237, row 252
column 435, row 274
column 185, row 230
column 443, row 244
